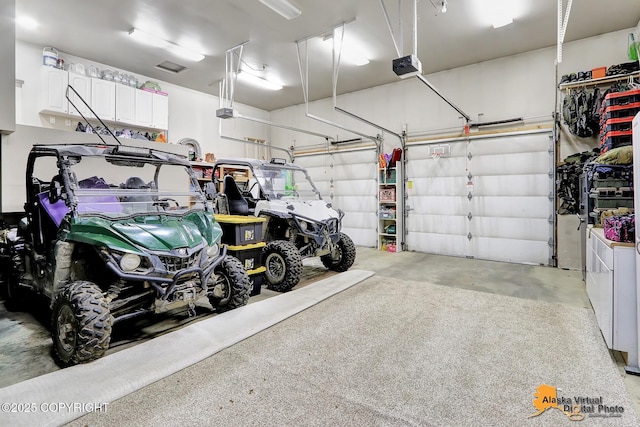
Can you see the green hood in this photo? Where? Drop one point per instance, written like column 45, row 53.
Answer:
column 153, row 233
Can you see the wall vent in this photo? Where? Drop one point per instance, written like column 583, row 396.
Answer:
column 171, row 67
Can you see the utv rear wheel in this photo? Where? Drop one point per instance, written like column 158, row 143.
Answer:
column 81, row 323
column 343, row 257
column 284, row 265
column 232, row 286
column 15, row 299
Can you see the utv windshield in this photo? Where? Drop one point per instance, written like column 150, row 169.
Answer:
column 279, row 181
column 117, row 187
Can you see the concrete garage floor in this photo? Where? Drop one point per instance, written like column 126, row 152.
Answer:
column 25, row 343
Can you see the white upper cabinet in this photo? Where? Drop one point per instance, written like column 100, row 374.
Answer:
column 125, row 104
column 111, row 102
column 53, row 87
column 82, row 85
column 103, row 99
column 160, row 111
column 144, row 108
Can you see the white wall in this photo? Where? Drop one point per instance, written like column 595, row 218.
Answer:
column 191, row 113
column 517, row 86
column 7, row 66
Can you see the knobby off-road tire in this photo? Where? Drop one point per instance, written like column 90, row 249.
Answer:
column 80, row 323
column 14, row 297
column 284, row 265
column 232, row 286
column 343, row 258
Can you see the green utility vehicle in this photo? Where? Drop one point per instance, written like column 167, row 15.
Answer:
column 111, row 232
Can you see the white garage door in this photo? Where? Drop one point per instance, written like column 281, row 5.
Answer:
column 353, row 177
column 508, row 216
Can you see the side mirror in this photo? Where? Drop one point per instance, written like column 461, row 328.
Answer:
column 55, row 190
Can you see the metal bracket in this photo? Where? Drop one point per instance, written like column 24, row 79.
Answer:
column 469, row 156
column 469, row 176
column 469, row 196
column 469, row 236
column 469, row 217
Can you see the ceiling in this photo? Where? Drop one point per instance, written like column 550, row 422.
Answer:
column 97, row 30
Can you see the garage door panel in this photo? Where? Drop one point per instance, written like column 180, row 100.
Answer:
column 438, row 206
column 361, row 236
column 505, row 145
column 354, row 189
column 313, row 161
column 510, row 164
column 517, row 251
column 443, row 244
column 365, row 220
column 436, row 224
column 510, row 207
column 439, row 186
column 354, row 204
column 514, row 185
column 511, row 228
column 318, row 174
column 430, row 168
column 518, row 207
column 354, row 171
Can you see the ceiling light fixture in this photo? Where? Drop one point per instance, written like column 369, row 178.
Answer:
column 285, row 8
column 349, row 54
column 177, row 50
column 502, row 20
column 444, row 6
column 501, row 12
column 254, row 80
column 27, row 22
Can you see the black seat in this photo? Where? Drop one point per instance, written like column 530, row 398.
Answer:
column 237, row 203
column 137, row 183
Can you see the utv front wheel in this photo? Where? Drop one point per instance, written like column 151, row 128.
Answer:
column 343, row 256
column 81, row 323
column 232, row 286
column 284, row 265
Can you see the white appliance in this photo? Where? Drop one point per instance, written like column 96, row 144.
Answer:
column 636, row 204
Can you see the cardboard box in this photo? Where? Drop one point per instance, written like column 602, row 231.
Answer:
column 387, row 195
column 598, row 73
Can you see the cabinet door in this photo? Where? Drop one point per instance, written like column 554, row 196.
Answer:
column 53, row 84
column 144, row 108
column 103, row 98
column 160, row 111
column 125, row 104
column 82, row 85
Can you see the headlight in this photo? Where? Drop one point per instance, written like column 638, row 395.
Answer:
column 130, row 262
column 303, row 226
column 213, row 250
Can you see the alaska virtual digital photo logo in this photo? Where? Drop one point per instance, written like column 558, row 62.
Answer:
column 576, row 408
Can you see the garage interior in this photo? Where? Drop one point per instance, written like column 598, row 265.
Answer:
column 442, row 130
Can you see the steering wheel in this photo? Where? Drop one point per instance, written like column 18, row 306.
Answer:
column 164, row 202
column 248, row 193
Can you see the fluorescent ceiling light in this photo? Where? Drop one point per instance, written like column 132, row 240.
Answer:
column 254, row 80
column 500, row 12
column 501, row 21
column 185, row 53
column 155, row 41
column 349, row 54
column 27, row 22
column 284, row 7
